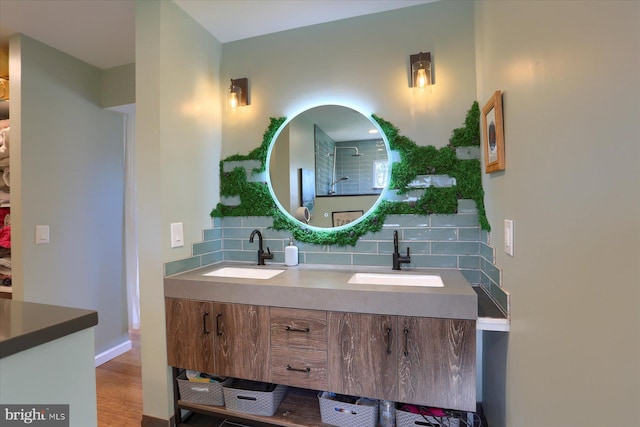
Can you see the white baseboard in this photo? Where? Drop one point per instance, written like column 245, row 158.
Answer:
column 113, row 352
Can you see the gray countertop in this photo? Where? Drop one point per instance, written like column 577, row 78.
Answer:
column 24, row 325
column 326, row 288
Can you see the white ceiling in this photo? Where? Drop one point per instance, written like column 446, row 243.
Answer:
column 102, row 32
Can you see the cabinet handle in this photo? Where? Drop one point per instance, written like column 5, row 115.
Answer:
column 388, row 340
column 218, row 331
column 204, row 323
column 290, row 368
column 292, row 329
column 406, row 341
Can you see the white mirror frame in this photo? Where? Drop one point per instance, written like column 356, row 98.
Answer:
column 365, row 214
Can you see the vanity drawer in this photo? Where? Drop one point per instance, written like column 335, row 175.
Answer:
column 299, row 367
column 298, row 328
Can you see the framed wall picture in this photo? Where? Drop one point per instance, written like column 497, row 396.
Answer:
column 345, row 217
column 493, row 134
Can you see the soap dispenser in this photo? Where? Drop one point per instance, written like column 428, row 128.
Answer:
column 291, row 254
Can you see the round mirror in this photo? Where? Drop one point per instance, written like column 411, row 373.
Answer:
column 328, row 166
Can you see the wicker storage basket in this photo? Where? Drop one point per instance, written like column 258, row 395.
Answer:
column 343, row 414
column 201, row 393
column 251, row 397
column 409, row 419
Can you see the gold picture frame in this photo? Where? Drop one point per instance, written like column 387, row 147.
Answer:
column 493, row 134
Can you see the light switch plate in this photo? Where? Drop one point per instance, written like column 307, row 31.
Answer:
column 508, row 236
column 177, row 235
column 42, row 234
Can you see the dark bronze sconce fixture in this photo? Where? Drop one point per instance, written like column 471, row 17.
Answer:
column 238, row 93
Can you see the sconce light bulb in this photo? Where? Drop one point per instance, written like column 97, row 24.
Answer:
column 233, row 100
column 421, row 78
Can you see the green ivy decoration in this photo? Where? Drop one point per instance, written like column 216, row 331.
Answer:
column 469, row 134
column 256, row 200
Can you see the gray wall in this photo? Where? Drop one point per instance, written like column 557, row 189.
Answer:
column 361, row 62
column 569, row 72
column 178, row 144
column 67, row 171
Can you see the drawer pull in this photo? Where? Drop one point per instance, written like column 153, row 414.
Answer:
column 388, row 340
column 291, row 368
column 406, row 341
column 292, row 329
column 204, row 323
column 218, row 331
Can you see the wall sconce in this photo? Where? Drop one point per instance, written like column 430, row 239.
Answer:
column 238, row 93
column 421, row 70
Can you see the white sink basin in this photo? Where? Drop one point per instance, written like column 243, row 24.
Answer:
column 244, row 273
column 400, row 279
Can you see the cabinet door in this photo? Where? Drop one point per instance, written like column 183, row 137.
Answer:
column 362, row 355
column 437, row 362
column 189, row 334
column 242, row 341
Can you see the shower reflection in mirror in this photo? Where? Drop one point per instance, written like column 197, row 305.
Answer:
column 344, row 168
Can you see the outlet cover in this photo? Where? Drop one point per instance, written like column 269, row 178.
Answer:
column 177, row 235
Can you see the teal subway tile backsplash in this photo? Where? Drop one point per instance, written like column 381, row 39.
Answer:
column 212, row 258
column 467, row 206
column 487, row 252
column 472, row 276
column 360, row 247
column 500, row 296
column 470, row 262
column 460, row 220
column 231, row 221
column 327, row 258
column 181, row 265
column 491, row 271
column 240, row 256
column 212, row 234
column 310, row 247
column 455, row 248
column 423, row 248
column 206, row 247
column 373, row 260
column 237, row 233
column 408, row 220
column 471, row 234
column 437, row 234
column 232, row 244
column 257, row 221
column 434, row 261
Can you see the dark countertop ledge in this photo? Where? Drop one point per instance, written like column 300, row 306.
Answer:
column 24, row 325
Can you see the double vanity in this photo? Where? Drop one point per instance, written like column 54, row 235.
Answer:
column 406, row 336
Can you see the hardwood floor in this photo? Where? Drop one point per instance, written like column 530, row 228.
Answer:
column 119, row 388
column 119, row 391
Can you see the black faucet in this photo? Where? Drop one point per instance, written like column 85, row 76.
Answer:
column 261, row 255
column 397, row 258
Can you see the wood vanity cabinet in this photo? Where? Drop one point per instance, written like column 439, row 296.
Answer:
column 363, row 354
column 241, row 341
column 189, row 334
column 436, row 362
column 299, row 347
column 218, row 338
column 420, row 360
